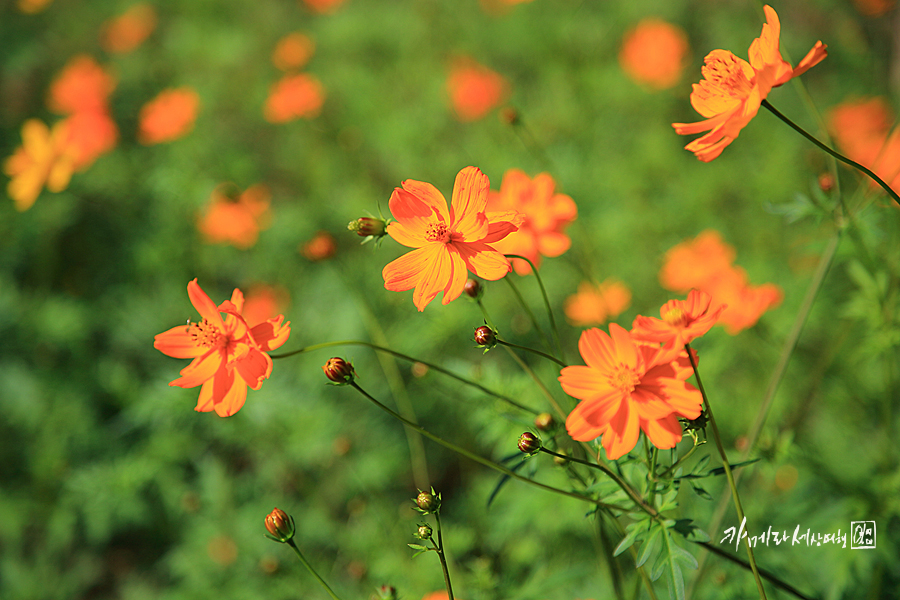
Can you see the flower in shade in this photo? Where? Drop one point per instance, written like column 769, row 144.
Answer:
column 596, row 304
column 45, row 158
column 627, row 387
column 320, row 247
column 127, row 31
column 236, row 221
column 227, row 354
column 292, row 51
column 298, row 96
column 448, row 244
column 474, row 89
column 680, row 322
column 654, row 53
column 694, row 263
column 81, row 86
column 169, row 116
column 732, row 89
column 546, row 215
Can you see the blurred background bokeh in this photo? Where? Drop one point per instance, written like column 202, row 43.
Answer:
column 232, row 142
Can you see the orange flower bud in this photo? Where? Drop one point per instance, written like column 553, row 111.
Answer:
column 428, row 502
column 529, row 443
column 424, row 532
column 485, row 337
column 544, row 422
column 366, row 226
column 339, row 371
column 473, row 289
column 280, row 525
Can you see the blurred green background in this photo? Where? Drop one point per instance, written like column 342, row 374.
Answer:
column 111, row 486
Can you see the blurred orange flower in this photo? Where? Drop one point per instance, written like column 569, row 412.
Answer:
column 874, row 8
column 33, row 6
column 681, row 322
column 292, row 51
column 45, row 158
column 594, row 305
column 323, row 6
column 169, row 116
column 236, row 221
column 322, row 246
column 91, row 135
column 862, row 128
column 298, row 96
column 263, row 302
column 694, row 263
column 474, row 89
column 81, row 86
column 447, row 244
column 546, row 216
column 228, row 355
column 743, row 303
column 732, row 89
column 628, row 387
column 654, row 53
column 126, row 32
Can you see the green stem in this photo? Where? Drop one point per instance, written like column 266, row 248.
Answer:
column 530, row 314
column 311, row 570
column 728, row 473
column 440, row 552
column 546, row 301
column 533, row 351
column 487, row 317
column 840, row 157
column 538, row 382
column 766, row 574
column 405, row 357
column 474, row 457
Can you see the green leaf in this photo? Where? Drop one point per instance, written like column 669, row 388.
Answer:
column 700, row 491
column 418, row 547
column 650, row 546
column 629, row 539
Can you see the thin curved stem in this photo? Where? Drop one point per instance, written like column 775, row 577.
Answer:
column 533, row 351
column 440, row 552
column 528, row 311
column 833, row 153
column 405, row 357
column 311, row 570
column 538, row 382
column 546, row 301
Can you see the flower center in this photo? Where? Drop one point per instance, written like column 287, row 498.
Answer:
column 437, row 232
column 625, row 379
column 674, row 317
column 206, row 334
column 725, row 72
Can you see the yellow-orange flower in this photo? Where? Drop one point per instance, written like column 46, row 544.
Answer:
column 126, row 32
column 169, row 116
column 862, row 128
column 545, row 217
column 298, row 96
column 743, row 303
column 595, row 305
column 45, row 158
column 474, row 89
column 91, row 134
column 654, row 53
column 733, row 89
column 235, row 221
column 262, row 302
column 227, row 354
column 627, row 387
column 694, row 263
column 82, row 85
column 681, row 322
column 292, row 51
column 447, row 244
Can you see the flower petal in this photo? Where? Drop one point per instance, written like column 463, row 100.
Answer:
column 233, row 397
column 663, row 433
column 178, row 343
column 467, row 205
column 271, row 334
column 428, row 201
column 206, row 307
column 254, row 368
column 404, row 273
column 436, row 274
column 816, row 54
column 484, row 261
column 622, row 434
column 458, row 275
column 201, row 368
column 501, row 224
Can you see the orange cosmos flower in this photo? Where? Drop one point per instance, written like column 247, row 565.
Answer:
column 545, row 216
column 654, row 53
column 292, row 97
column 474, row 89
column 594, row 305
column 169, row 116
column 45, row 158
column 33, row 6
column 292, row 51
column 742, row 302
column 682, row 321
column 323, row 6
column 447, row 244
column 262, row 302
column 227, row 354
column 91, row 134
column 321, row 247
column 733, row 89
column 874, row 8
column 236, row 221
column 628, row 387
column 862, row 128
column 694, row 263
column 82, row 86
column 129, row 30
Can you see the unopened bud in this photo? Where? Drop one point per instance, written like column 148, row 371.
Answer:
column 509, row 115
column 473, row 289
column 279, row 525
column 529, row 443
column 485, row 337
column 339, row 370
column 424, row 532
column 365, row 226
column 544, row 422
column 826, row 182
column 428, row 502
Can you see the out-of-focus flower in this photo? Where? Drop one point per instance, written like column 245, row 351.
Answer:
column 298, row 96
column 127, row 31
column 474, row 89
column 595, row 305
column 874, row 8
column 320, row 247
column 654, row 53
column 862, row 129
column 81, row 86
column 292, row 51
column 263, row 302
column 45, row 158
column 732, row 89
column 694, row 263
column 33, row 6
column 744, row 303
column 227, row 354
column 169, row 116
column 323, row 6
column 91, row 134
column 447, row 244
column 546, row 216
column 681, row 322
column 627, row 387
column 236, row 221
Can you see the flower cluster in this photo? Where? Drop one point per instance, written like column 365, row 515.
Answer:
column 296, row 95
